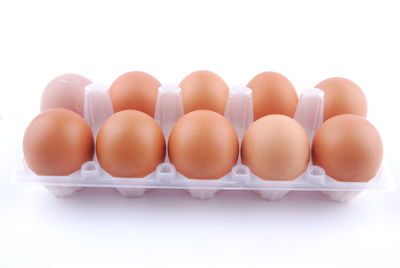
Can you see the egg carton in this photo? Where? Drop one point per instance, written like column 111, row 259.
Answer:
column 239, row 111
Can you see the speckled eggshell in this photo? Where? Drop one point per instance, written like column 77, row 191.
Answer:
column 130, row 144
column 276, row 147
column 57, row 142
column 65, row 91
column 203, row 145
column 348, row 147
column 204, row 90
column 135, row 91
column 273, row 93
column 342, row 96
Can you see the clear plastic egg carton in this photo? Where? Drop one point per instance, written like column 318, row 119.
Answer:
column 239, row 110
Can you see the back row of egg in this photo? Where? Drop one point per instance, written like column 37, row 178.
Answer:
column 203, row 144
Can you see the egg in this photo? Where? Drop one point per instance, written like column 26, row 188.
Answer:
column 273, row 93
column 275, row 147
column 348, row 147
column 135, row 91
column 204, row 90
column 203, row 145
column 65, row 91
column 342, row 96
column 130, row 143
column 57, row 142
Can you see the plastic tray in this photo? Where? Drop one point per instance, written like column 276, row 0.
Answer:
column 239, row 110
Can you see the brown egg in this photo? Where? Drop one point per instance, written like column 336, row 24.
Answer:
column 272, row 94
column 130, row 144
column 204, row 90
column 348, row 147
column 57, row 142
column 203, row 145
column 65, row 91
column 275, row 147
column 342, row 96
column 135, row 91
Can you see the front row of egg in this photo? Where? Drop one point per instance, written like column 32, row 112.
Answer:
column 203, row 144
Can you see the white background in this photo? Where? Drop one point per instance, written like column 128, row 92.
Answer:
column 305, row 40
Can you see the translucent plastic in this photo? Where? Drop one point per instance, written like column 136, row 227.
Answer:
column 239, row 111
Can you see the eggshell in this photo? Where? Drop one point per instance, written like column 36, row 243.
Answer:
column 135, row 91
column 130, row 144
column 203, row 145
column 204, row 90
column 65, row 91
column 57, row 142
column 273, row 93
column 348, row 147
column 342, row 96
column 275, row 147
